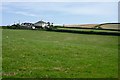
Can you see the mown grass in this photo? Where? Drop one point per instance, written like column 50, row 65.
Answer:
column 44, row 54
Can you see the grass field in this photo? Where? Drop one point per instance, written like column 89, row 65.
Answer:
column 45, row 54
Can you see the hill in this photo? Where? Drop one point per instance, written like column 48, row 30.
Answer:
column 103, row 26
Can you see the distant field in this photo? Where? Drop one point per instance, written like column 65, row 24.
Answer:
column 107, row 26
column 110, row 26
column 81, row 25
column 45, row 54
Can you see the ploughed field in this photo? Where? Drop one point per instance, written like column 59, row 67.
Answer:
column 46, row 54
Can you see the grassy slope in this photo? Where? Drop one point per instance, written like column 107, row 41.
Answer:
column 28, row 53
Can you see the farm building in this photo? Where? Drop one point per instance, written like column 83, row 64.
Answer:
column 43, row 25
column 40, row 24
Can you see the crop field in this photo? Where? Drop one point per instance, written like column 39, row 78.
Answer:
column 48, row 54
column 105, row 26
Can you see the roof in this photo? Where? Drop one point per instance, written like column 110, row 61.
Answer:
column 40, row 22
column 26, row 24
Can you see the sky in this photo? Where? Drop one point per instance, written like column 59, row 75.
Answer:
column 59, row 12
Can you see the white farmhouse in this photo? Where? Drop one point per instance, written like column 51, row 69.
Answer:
column 40, row 24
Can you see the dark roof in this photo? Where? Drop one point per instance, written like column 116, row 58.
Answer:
column 26, row 24
column 40, row 22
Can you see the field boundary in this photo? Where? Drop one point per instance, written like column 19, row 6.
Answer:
column 87, row 32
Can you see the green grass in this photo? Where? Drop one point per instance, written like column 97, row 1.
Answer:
column 38, row 54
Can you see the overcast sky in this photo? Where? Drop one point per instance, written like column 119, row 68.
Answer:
column 60, row 12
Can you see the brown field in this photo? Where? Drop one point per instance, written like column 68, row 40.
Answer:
column 106, row 26
column 82, row 25
column 110, row 26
